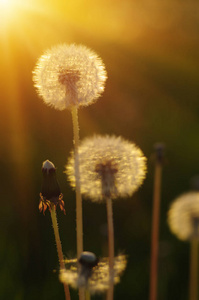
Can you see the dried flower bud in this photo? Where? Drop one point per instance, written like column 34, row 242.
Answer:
column 183, row 216
column 109, row 167
column 159, row 152
column 98, row 281
column 69, row 75
column 50, row 190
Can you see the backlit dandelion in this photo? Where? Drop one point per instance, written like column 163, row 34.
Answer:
column 109, row 166
column 69, row 75
column 183, row 219
column 98, row 281
column 183, row 216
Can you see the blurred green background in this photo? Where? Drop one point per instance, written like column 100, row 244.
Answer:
column 151, row 53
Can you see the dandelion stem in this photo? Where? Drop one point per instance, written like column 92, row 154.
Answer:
column 59, row 247
column 87, row 295
column 194, row 270
column 110, row 246
column 155, row 231
column 79, row 219
column 77, row 176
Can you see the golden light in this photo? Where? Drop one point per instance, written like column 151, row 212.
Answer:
column 8, row 13
column 5, row 3
column 7, row 7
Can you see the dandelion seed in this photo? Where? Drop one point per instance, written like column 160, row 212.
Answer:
column 183, row 216
column 109, row 166
column 69, row 75
column 98, row 281
column 50, row 191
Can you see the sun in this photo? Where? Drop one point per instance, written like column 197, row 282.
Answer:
column 4, row 2
column 7, row 4
column 7, row 10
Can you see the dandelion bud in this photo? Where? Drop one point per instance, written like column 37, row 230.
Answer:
column 50, row 187
column 50, row 190
column 88, row 261
column 183, row 216
column 109, row 167
column 159, row 152
column 69, row 75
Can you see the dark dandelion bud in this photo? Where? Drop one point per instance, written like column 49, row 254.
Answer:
column 50, row 187
column 159, row 152
column 87, row 261
column 50, row 190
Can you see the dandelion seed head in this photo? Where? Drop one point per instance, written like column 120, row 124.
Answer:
column 69, row 75
column 183, row 216
column 109, row 166
column 99, row 281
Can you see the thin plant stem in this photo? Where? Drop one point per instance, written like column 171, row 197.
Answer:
column 87, row 295
column 193, row 292
column 155, row 231
column 79, row 218
column 59, row 247
column 110, row 247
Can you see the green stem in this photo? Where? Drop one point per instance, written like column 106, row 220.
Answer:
column 110, row 247
column 155, row 231
column 193, row 293
column 59, row 247
column 79, row 218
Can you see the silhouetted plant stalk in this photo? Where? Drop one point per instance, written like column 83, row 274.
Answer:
column 159, row 149
column 193, row 283
column 59, row 247
column 50, row 197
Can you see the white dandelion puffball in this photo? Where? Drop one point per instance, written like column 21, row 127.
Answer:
column 108, row 163
column 183, row 216
column 69, row 75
